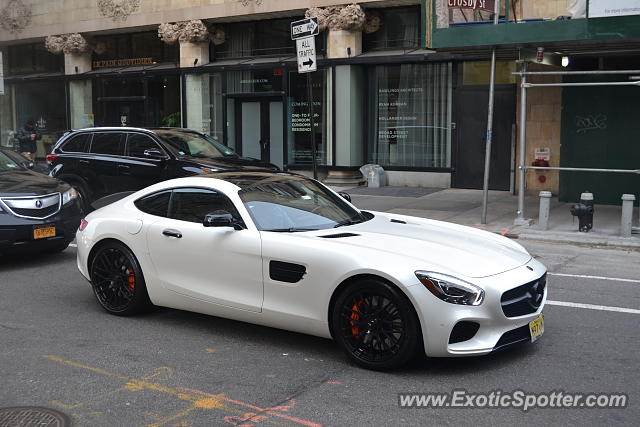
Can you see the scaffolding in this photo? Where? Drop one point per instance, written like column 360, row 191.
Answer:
column 522, row 146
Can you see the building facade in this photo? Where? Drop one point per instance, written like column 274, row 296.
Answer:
column 400, row 83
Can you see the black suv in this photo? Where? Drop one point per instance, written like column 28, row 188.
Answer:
column 103, row 161
column 37, row 212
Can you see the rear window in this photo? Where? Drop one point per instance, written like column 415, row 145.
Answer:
column 77, row 143
column 107, row 143
column 156, row 204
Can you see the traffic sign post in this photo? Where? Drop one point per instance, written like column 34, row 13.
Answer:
column 303, row 33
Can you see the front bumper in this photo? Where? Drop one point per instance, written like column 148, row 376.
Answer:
column 16, row 234
column 496, row 331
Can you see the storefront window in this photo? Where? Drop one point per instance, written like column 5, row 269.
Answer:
column 267, row 80
column 44, row 103
column 400, row 29
column 410, row 115
column 298, row 119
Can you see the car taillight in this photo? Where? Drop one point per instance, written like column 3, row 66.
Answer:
column 83, row 224
column 51, row 158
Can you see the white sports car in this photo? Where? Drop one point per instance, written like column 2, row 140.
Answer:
column 282, row 250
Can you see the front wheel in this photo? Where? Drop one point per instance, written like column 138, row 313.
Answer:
column 117, row 280
column 376, row 325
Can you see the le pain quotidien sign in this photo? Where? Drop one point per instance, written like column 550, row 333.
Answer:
column 487, row 5
column 123, row 62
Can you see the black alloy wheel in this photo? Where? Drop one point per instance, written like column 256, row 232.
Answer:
column 117, row 280
column 376, row 325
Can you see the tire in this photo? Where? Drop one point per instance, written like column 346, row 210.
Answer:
column 117, row 280
column 376, row 325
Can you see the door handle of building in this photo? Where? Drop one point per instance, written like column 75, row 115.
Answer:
column 172, row 233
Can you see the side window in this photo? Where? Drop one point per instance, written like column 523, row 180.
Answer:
column 107, row 143
column 138, row 143
column 155, row 204
column 77, row 143
column 192, row 204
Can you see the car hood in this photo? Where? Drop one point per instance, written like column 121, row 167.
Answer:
column 435, row 245
column 231, row 162
column 29, row 183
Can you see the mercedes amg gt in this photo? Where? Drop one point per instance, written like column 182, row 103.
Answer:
column 282, row 250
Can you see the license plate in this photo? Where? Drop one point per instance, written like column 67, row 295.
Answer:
column 536, row 327
column 44, row 232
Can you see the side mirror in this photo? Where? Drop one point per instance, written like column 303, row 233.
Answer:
column 345, row 196
column 221, row 220
column 154, row 153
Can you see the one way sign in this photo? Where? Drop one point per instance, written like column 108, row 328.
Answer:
column 306, row 48
column 304, row 28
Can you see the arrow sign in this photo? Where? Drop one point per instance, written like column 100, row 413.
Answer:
column 304, row 28
column 306, row 49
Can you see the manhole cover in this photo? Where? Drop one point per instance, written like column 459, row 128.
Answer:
column 32, row 416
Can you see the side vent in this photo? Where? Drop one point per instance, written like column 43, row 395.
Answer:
column 339, row 235
column 286, row 271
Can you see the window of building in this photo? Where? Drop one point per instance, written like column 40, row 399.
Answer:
column 107, row 143
column 33, row 58
column 298, row 119
column 409, row 115
column 135, row 46
column 261, row 38
column 400, row 29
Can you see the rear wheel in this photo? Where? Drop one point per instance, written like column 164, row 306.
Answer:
column 117, row 280
column 376, row 325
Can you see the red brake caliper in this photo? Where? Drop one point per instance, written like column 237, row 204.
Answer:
column 131, row 280
column 355, row 317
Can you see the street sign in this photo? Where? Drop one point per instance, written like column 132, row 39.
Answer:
column 304, row 28
column 306, row 49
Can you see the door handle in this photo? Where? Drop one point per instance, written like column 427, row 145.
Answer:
column 172, row 233
column 83, row 161
column 123, row 167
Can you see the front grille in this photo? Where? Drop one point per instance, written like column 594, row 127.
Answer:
column 525, row 299
column 38, row 207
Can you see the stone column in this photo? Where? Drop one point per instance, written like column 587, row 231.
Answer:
column 193, row 37
column 344, row 43
column 77, row 60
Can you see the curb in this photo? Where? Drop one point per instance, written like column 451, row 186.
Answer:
column 611, row 242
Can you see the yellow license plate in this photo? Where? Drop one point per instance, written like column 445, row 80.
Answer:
column 536, row 327
column 44, row 232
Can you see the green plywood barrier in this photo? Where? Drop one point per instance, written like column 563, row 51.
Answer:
column 600, row 129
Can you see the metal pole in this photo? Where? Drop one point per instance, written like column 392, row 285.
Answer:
column 575, row 73
column 487, row 153
column 522, row 147
column 313, row 133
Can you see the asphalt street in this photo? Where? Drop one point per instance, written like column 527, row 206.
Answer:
column 59, row 349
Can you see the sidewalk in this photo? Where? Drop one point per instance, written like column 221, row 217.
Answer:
column 465, row 207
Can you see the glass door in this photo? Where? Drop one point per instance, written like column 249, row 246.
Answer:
column 259, row 129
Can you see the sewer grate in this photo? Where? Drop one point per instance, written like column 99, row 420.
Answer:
column 32, row 416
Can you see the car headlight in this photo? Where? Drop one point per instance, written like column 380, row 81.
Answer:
column 69, row 195
column 451, row 289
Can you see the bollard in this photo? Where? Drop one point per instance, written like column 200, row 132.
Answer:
column 543, row 215
column 627, row 214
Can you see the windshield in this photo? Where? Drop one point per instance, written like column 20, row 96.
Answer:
column 192, row 144
column 6, row 164
column 296, row 204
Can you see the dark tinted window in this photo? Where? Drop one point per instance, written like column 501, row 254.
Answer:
column 77, row 143
column 138, row 143
column 155, row 204
column 192, row 204
column 107, row 143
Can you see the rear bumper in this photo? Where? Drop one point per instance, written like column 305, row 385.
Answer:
column 16, row 234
